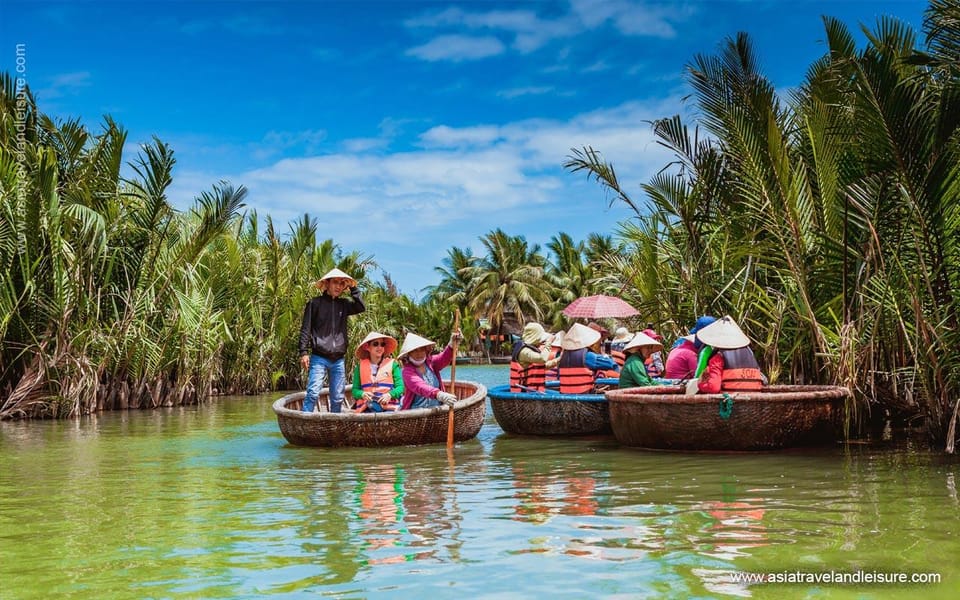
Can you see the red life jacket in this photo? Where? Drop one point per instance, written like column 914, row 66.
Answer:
column 532, row 376
column 379, row 385
column 575, row 376
column 741, row 372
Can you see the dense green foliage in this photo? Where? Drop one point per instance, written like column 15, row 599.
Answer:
column 829, row 224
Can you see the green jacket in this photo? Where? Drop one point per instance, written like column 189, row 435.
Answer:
column 634, row 372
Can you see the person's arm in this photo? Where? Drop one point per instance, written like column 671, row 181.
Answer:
column 356, row 307
column 414, row 382
column 305, row 325
column 626, row 375
column 442, row 361
column 530, row 357
column 712, row 377
column 357, row 391
column 641, row 376
column 599, row 362
column 397, row 391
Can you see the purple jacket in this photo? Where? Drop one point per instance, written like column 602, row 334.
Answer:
column 682, row 361
column 413, row 383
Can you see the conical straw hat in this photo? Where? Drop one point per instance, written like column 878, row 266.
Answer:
column 622, row 334
column 642, row 339
column 580, row 336
column 413, row 342
column 724, row 334
column 376, row 335
column 334, row 274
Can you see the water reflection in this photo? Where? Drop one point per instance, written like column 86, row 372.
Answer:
column 736, row 523
column 400, row 515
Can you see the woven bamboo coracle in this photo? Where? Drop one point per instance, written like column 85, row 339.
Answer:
column 537, row 413
column 778, row 416
column 401, row 428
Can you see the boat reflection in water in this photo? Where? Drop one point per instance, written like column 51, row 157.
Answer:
column 400, row 515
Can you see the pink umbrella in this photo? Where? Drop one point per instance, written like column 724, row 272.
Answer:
column 599, row 307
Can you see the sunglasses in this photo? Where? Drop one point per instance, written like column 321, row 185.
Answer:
column 376, row 343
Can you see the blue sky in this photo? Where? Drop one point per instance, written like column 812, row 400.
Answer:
column 405, row 128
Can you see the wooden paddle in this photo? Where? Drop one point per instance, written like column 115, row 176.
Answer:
column 453, row 376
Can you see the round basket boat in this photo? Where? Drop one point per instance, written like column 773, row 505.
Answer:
column 549, row 413
column 402, row 428
column 776, row 417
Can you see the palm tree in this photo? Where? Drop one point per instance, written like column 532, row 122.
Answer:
column 508, row 280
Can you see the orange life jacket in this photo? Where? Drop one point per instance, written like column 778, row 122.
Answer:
column 575, row 376
column 379, row 385
column 741, row 372
column 618, row 357
column 531, row 377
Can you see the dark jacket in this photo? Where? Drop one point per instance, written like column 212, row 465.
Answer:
column 324, row 327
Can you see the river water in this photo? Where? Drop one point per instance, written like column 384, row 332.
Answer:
column 211, row 502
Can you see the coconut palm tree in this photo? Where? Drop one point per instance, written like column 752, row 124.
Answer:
column 508, row 280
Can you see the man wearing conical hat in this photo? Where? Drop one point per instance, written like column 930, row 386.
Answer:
column 638, row 350
column 323, row 336
column 530, row 360
column 581, row 360
column 732, row 367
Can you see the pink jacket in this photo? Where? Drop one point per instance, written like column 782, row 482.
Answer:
column 413, row 382
column 682, row 361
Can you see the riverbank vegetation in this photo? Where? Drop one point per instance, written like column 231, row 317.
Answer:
column 825, row 219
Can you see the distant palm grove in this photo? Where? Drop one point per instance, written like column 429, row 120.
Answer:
column 826, row 222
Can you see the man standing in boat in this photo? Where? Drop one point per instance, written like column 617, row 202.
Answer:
column 323, row 336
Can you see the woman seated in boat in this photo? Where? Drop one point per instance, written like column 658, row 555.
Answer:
column 423, row 386
column 682, row 360
column 581, row 360
column 530, row 359
column 638, row 350
column 731, row 366
column 654, row 362
column 377, row 380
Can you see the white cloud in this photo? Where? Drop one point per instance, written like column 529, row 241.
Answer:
column 531, row 31
column 64, row 84
column 532, row 90
column 458, row 48
column 460, row 184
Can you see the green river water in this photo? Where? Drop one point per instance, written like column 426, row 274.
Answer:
column 211, row 502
